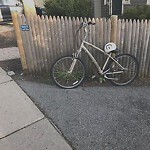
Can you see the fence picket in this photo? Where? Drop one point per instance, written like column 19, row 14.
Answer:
column 59, row 36
column 22, row 21
column 133, row 36
column 144, row 47
column 118, row 34
column 122, row 35
column 137, row 38
column 140, row 46
column 33, row 44
column 101, row 33
column 71, row 35
column 147, row 52
column 48, row 41
column 29, row 53
column 129, row 36
column 109, row 30
column 67, row 39
column 53, row 46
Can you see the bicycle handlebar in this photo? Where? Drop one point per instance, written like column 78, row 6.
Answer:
column 91, row 23
column 85, row 24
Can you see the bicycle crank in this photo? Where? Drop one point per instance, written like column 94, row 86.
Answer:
column 108, row 78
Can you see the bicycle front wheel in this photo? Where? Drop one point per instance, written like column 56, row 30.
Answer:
column 65, row 76
column 124, row 76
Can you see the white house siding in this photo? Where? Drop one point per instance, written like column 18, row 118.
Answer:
column 97, row 8
column 101, row 10
column 39, row 3
column 135, row 3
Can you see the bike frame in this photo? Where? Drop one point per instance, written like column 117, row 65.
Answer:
column 100, row 70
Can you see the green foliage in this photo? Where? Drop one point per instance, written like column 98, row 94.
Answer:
column 73, row 8
column 138, row 12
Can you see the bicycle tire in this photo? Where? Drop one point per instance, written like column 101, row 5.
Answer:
column 129, row 62
column 66, row 80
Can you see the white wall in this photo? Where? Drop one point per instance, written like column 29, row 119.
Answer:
column 97, row 8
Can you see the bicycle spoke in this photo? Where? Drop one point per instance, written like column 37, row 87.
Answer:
column 130, row 70
column 63, row 77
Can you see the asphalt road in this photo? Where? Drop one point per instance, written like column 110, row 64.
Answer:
column 97, row 118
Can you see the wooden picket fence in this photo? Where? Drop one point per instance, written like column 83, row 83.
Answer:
column 50, row 38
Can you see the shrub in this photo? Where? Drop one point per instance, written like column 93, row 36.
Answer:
column 73, row 8
column 137, row 12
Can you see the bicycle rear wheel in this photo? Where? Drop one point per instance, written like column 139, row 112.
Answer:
column 124, row 76
column 62, row 76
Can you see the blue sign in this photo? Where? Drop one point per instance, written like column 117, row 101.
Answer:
column 25, row 28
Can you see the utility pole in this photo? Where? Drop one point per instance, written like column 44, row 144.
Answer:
column 29, row 7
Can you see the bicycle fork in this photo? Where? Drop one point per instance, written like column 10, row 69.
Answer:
column 72, row 65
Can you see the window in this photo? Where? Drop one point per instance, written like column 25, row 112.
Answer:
column 106, row 2
column 148, row 2
column 126, row 2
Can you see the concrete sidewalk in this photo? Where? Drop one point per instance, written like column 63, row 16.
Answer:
column 9, row 53
column 22, row 125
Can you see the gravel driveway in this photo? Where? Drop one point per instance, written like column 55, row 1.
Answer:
column 97, row 118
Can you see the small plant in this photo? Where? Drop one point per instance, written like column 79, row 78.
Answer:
column 102, row 80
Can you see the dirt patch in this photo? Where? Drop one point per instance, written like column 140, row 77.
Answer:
column 8, row 39
column 46, row 79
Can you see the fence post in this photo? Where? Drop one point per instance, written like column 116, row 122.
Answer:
column 29, row 7
column 114, row 20
column 19, row 41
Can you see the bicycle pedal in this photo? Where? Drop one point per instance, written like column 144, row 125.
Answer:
column 93, row 77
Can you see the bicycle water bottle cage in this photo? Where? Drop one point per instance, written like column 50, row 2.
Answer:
column 110, row 47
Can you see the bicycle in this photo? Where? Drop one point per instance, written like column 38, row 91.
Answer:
column 69, row 71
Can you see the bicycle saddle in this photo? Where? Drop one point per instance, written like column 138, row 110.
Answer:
column 110, row 47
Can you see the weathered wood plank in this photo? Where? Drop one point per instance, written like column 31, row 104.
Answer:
column 16, row 23
column 118, row 34
column 146, row 51
column 53, row 44
column 48, row 42
column 55, row 38
column 140, row 46
column 122, row 36
column 133, row 36
column 137, row 38
column 129, row 36
column 67, row 39
column 71, row 35
column 34, row 46
column 29, row 49
column 143, row 50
